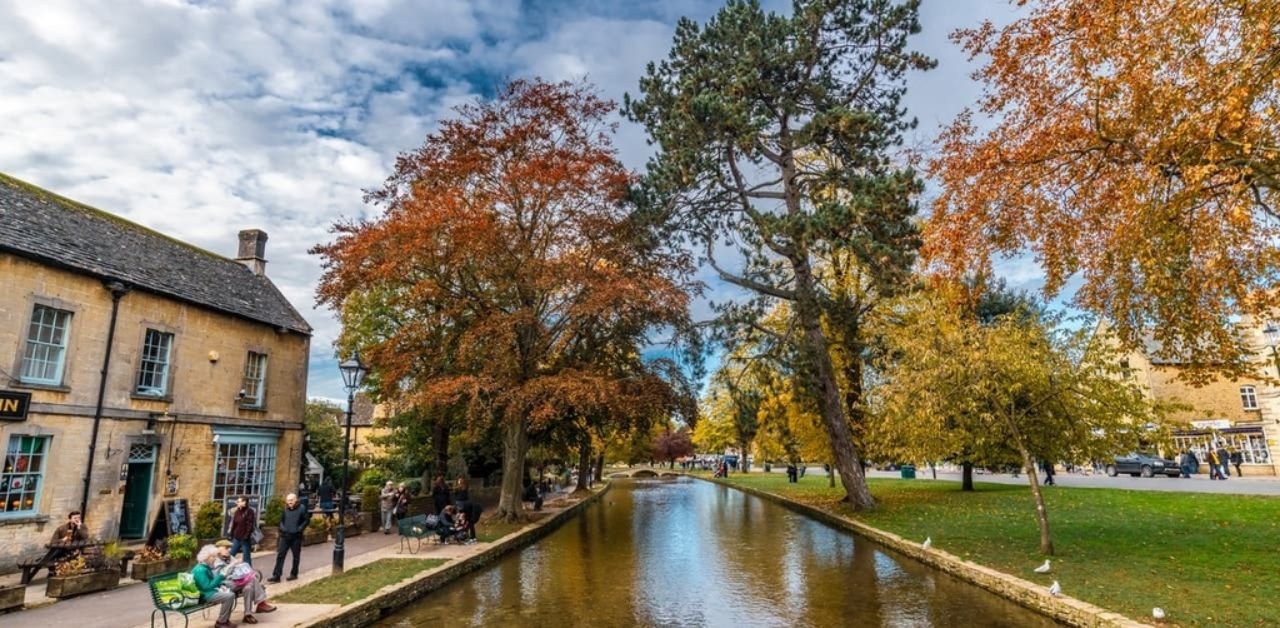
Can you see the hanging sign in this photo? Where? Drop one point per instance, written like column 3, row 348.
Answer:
column 14, row 405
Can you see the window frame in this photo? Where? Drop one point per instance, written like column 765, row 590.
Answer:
column 258, row 401
column 1249, row 397
column 8, row 477
column 254, row 458
column 68, row 314
column 166, row 375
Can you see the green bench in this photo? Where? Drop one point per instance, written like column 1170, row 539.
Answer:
column 164, row 608
column 412, row 531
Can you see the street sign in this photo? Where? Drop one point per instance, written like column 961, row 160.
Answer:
column 14, row 405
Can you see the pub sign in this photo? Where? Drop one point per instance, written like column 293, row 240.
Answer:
column 14, row 405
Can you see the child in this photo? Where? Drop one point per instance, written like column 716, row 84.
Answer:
column 460, row 527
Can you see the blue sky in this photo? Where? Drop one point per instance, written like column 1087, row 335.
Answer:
column 204, row 117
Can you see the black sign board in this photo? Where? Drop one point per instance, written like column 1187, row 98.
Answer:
column 174, row 517
column 14, row 405
column 229, row 505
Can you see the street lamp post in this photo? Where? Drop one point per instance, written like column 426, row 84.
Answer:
column 1273, row 338
column 353, row 372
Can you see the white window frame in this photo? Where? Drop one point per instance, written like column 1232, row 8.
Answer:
column 154, row 363
column 254, row 383
column 28, row 483
column 43, row 350
column 244, row 466
column 1249, row 397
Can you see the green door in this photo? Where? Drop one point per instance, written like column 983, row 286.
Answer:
column 137, row 494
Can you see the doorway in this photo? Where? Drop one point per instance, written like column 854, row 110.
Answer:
column 137, row 491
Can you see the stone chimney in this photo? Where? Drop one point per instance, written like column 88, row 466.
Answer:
column 253, row 250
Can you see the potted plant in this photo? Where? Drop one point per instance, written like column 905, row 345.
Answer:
column 271, row 516
column 82, row 574
column 352, row 521
column 315, row 532
column 369, row 507
column 12, row 596
column 116, row 555
column 153, row 561
column 209, row 522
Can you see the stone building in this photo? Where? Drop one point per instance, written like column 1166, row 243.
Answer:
column 149, row 369
column 1240, row 413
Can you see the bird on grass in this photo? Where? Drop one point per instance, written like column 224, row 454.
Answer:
column 1157, row 612
column 1055, row 589
column 928, row 543
column 1043, row 568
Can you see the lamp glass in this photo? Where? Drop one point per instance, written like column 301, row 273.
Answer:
column 353, row 372
column 1272, row 333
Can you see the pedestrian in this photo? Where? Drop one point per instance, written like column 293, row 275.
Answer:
column 211, row 586
column 1184, row 463
column 292, row 524
column 244, row 520
column 387, row 501
column 325, row 493
column 462, row 499
column 791, row 473
column 402, row 501
column 1224, row 460
column 72, row 531
column 1215, row 470
column 803, row 466
column 244, row 580
column 1047, row 467
column 439, row 494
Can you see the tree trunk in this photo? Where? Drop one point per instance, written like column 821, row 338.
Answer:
column 742, row 456
column 440, row 443
column 1042, row 515
column 584, row 466
column 847, row 461
column 515, row 442
column 599, row 474
column 966, row 476
column 831, row 477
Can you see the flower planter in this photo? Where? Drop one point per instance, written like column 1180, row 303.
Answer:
column 12, row 597
column 270, row 538
column 314, row 535
column 68, row 586
column 367, row 521
column 142, row 571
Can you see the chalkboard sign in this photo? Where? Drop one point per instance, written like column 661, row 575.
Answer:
column 174, row 517
column 228, row 510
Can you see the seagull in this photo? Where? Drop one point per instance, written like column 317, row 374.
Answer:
column 1055, row 589
column 1157, row 612
column 928, row 543
column 1043, row 568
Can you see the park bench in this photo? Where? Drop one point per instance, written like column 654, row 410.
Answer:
column 164, row 608
column 55, row 552
column 412, row 531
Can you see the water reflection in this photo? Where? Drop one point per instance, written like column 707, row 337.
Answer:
column 690, row 553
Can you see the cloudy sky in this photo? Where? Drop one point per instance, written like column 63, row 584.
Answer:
column 203, row 117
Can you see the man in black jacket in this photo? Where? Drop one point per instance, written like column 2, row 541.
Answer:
column 292, row 524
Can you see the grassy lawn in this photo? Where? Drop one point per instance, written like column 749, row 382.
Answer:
column 361, row 582
column 1208, row 560
column 490, row 530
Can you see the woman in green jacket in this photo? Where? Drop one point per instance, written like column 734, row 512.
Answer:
column 209, row 581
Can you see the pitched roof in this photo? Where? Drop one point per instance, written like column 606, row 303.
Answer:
column 41, row 225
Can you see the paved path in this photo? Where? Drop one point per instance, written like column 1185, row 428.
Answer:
column 1198, row 484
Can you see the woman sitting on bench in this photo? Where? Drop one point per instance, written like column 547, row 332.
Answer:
column 447, row 526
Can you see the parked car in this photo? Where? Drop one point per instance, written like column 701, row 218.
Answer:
column 1145, row 465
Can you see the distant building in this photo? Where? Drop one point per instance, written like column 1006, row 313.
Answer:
column 162, row 370
column 1240, row 413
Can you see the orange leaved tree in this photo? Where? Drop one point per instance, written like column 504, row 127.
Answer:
column 506, row 245
column 1135, row 145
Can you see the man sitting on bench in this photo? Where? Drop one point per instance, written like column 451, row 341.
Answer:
column 71, row 531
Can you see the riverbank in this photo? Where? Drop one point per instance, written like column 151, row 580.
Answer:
column 1204, row 559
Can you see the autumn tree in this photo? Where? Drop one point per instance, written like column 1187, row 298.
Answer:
column 321, row 420
column 505, row 243
column 734, row 111
column 1014, row 383
column 1135, row 145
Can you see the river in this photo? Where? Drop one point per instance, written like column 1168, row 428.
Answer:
column 692, row 553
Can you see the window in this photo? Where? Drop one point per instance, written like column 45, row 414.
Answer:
column 1251, row 443
column 244, row 468
column 1249, row 398
column 46, row 346
column 255, row 375
column 153, row 368
column 23, row 474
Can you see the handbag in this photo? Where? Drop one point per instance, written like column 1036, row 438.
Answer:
column 256, row 536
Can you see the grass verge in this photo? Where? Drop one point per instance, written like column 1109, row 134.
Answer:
column 490, row 530
column 359, row 583
column 1205, row 559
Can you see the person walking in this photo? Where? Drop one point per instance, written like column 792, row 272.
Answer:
column 1236, row 460
column 1047, row 468
column 325, row 493
column 402, row 501
column 292, row 523
column 244, row 520
column 1211, row 457
column 1184, row 463
column 791, row 473
column 1224, row 460
column 439, row 494
column 387, row 501
column 211, row 588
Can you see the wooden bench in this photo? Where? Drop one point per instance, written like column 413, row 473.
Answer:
column 164, row 609
column 56, row 552
column 412, row 531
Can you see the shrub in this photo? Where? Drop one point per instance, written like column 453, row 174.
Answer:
column 70, row 567
column 149, row 554
column 369, row 499
column 112, row 550
column 209, row 520
column 181, row 546
column 373, row 477
column 414, row 485
column 274, row 512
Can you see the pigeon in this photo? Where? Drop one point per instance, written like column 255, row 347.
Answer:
column 1055, row 589
column 1043, row 568
column 1157, row 612
column 928, row 543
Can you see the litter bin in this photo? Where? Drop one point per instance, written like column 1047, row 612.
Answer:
column 908, row 471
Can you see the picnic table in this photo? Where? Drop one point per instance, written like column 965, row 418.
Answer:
column 56, row 552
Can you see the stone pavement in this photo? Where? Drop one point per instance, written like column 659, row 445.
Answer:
column 130, row 605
